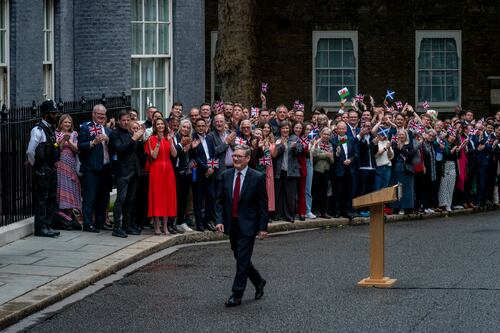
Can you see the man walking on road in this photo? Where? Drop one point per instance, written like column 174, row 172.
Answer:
column 242, row 214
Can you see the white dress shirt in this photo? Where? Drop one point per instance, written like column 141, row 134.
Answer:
column 242, row 177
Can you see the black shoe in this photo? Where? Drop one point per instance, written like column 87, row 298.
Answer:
column 170, row 230
column 210, row 226
column 90, row 228
column 259, row 290
column 119, row 233
column 336, row 215
column 132, row 231
column 56, row 233
column 148, row 226
column 302, row 218
column 233, row 301
column 106, row 226
column 44, row 232
column 325, row 216
column 173, row 225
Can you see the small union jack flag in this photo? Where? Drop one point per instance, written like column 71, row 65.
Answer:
column 213, row 163
column 254, row 112
column 325, row 146
column 471, row 131
column 399, row 105
column 426, row 105
column 266, row 160
column 95, row 129
column 360, row 98
column 240, row 141
column 219, row 106
column 263, row 87
column 304, row 142
column 394, row 138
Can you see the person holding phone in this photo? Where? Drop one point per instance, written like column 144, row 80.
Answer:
column 68, row 185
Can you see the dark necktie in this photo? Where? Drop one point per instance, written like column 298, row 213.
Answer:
column 236, row 196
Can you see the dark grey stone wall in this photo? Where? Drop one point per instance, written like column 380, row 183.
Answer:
column 102, row 47
column 63, row 51
column 189, row 52
column 26, row 52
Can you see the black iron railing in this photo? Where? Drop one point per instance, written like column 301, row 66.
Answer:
column 15, row 127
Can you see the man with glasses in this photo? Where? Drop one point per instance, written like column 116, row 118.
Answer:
column 95, row 166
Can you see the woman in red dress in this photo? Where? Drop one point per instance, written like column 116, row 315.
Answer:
column 162, row 203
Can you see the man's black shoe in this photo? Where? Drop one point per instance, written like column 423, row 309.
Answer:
column 44, row 232
column 56, row 233
column 233, row 301
column 106, row 226
column 90, row 228
column 325, row 216
column 119, row 233
column 259, row 290
column 132, row 231
column 210, row 226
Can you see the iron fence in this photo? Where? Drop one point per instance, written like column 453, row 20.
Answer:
column 15, row 127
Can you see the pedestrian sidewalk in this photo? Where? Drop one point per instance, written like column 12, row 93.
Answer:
column 36, row 272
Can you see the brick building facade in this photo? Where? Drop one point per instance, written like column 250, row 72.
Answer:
column 446, row 52
column 67, row 49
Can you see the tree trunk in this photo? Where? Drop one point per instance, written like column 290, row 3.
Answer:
column 236, row 52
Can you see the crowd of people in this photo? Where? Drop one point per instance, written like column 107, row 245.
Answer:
column 167, row 169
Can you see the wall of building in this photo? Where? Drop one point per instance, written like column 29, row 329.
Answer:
column 26, row 52
column 64, row 74
column 102, row 46
column 188, row 52
column 386, row 32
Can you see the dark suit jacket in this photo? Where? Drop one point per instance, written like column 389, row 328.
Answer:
column 220, row 148
column 127, row 163
column 200, row 157
column 338, row 167
column 183, row 158
column 252, row 205
column 90, row 158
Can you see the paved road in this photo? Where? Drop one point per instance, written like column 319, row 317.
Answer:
column 448, row 273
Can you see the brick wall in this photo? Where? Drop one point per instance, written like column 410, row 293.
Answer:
column 188, row 52
column 64, row 75
column 102, row 47
column 26, row 52
column 386, row 45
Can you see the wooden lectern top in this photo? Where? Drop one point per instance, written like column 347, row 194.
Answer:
column 388, row 194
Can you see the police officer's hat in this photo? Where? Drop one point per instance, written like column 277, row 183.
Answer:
column 48, row 106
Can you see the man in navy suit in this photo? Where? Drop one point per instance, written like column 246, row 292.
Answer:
column 242, row 214
column 95, row 166
column 203, row 184
column 343, row 171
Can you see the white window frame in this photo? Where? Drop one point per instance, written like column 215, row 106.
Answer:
column 316, row 36
column 4, row 67
column 166, row 57
column 455, row 34
column 48, row 62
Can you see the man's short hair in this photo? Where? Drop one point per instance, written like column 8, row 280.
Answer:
column 123, row 113
column 245, row 148
column 177, row 104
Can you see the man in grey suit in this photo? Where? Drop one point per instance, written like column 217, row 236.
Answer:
column 241, row 212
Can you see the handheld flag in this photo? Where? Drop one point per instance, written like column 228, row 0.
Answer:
column 343, row 93
column 263, row 87
column 213, row 163
column 390, row 94
column 266, row 160
column 425, row 105
column 95, row 129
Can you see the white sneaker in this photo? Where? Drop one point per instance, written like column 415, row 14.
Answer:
column 310, row 216
column 429, row 211
column 184, row 227
column 448, row 209
column 458, row 207
column 401, row 212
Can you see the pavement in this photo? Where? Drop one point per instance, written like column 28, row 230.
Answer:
column 37, row 272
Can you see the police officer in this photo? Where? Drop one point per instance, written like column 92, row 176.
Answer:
column 42, row 154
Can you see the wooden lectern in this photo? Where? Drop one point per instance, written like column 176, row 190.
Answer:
column 375, row 201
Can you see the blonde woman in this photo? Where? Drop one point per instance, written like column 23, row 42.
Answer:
column 403, row 171
column 68, row 185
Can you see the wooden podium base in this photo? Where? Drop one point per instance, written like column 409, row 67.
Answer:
column 385, row 282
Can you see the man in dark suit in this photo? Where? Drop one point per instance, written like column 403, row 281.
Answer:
column 223, row 139
column 127, row 170
column 203, row 185
column 343, row 172
column 95, row 167
column 242, row 213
